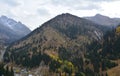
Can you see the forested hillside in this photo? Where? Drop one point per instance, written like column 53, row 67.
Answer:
column 68, row 45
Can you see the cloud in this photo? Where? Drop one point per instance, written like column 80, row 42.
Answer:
column 35, row 12
column 43, row 12
column 91, row 6
column 78, row 4
column 12, row 3
column 101, row 0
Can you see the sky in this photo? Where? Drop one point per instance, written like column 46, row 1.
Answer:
column 33, row 13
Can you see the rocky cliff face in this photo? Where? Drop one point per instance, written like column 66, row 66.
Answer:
column 11, row 30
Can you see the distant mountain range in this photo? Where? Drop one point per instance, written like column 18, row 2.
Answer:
column 104, row 20
column 11, row 30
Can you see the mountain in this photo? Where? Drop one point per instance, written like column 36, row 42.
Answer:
column 63, row 45
column 117, row 19
column 11, row 30
column 104, row 20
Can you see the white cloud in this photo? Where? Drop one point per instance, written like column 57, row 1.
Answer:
column 35, row 12
column 111, row 9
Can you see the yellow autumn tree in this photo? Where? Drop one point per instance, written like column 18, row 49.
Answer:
column 118, row 30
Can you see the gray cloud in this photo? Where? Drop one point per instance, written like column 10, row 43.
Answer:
column 11, row 2
column 65, row 2
column 43, row 12
column 102, row 0
column 80, row 4
column 87, row 7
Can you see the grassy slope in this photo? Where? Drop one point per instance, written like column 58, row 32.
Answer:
column 114, row 71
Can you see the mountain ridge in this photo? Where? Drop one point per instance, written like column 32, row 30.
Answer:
column 104, row 20
column 49, row 24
